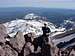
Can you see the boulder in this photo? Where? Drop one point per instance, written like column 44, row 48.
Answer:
column 6, row 50
column 2, row 52
column 18, row 42
column 3, row 33
column 9, row 51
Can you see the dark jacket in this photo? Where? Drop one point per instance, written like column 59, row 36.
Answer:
column 45, row 30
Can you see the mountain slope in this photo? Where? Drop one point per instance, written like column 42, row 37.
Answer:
column 27, row 26
column 30, row 23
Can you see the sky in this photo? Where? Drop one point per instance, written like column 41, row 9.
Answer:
column 68, row 4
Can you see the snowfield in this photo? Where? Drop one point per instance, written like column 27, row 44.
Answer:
column 27, row 26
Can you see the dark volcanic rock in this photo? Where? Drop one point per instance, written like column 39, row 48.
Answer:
column 18, row 42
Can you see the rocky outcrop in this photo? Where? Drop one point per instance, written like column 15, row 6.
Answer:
column 72, row 53
column 15, row 47
column 2, row 52
column 3, row 33
column 18, row 47
column 18, row 42
column 9, row 51
column 6, row 50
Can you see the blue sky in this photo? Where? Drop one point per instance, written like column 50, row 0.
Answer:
column 68, row 4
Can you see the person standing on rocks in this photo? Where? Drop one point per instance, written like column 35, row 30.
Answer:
column 46, row 32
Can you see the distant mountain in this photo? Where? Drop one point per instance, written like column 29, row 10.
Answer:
column 30, row 23
column 54, row 15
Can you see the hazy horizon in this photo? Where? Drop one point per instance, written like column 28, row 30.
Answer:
column 64, row 4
